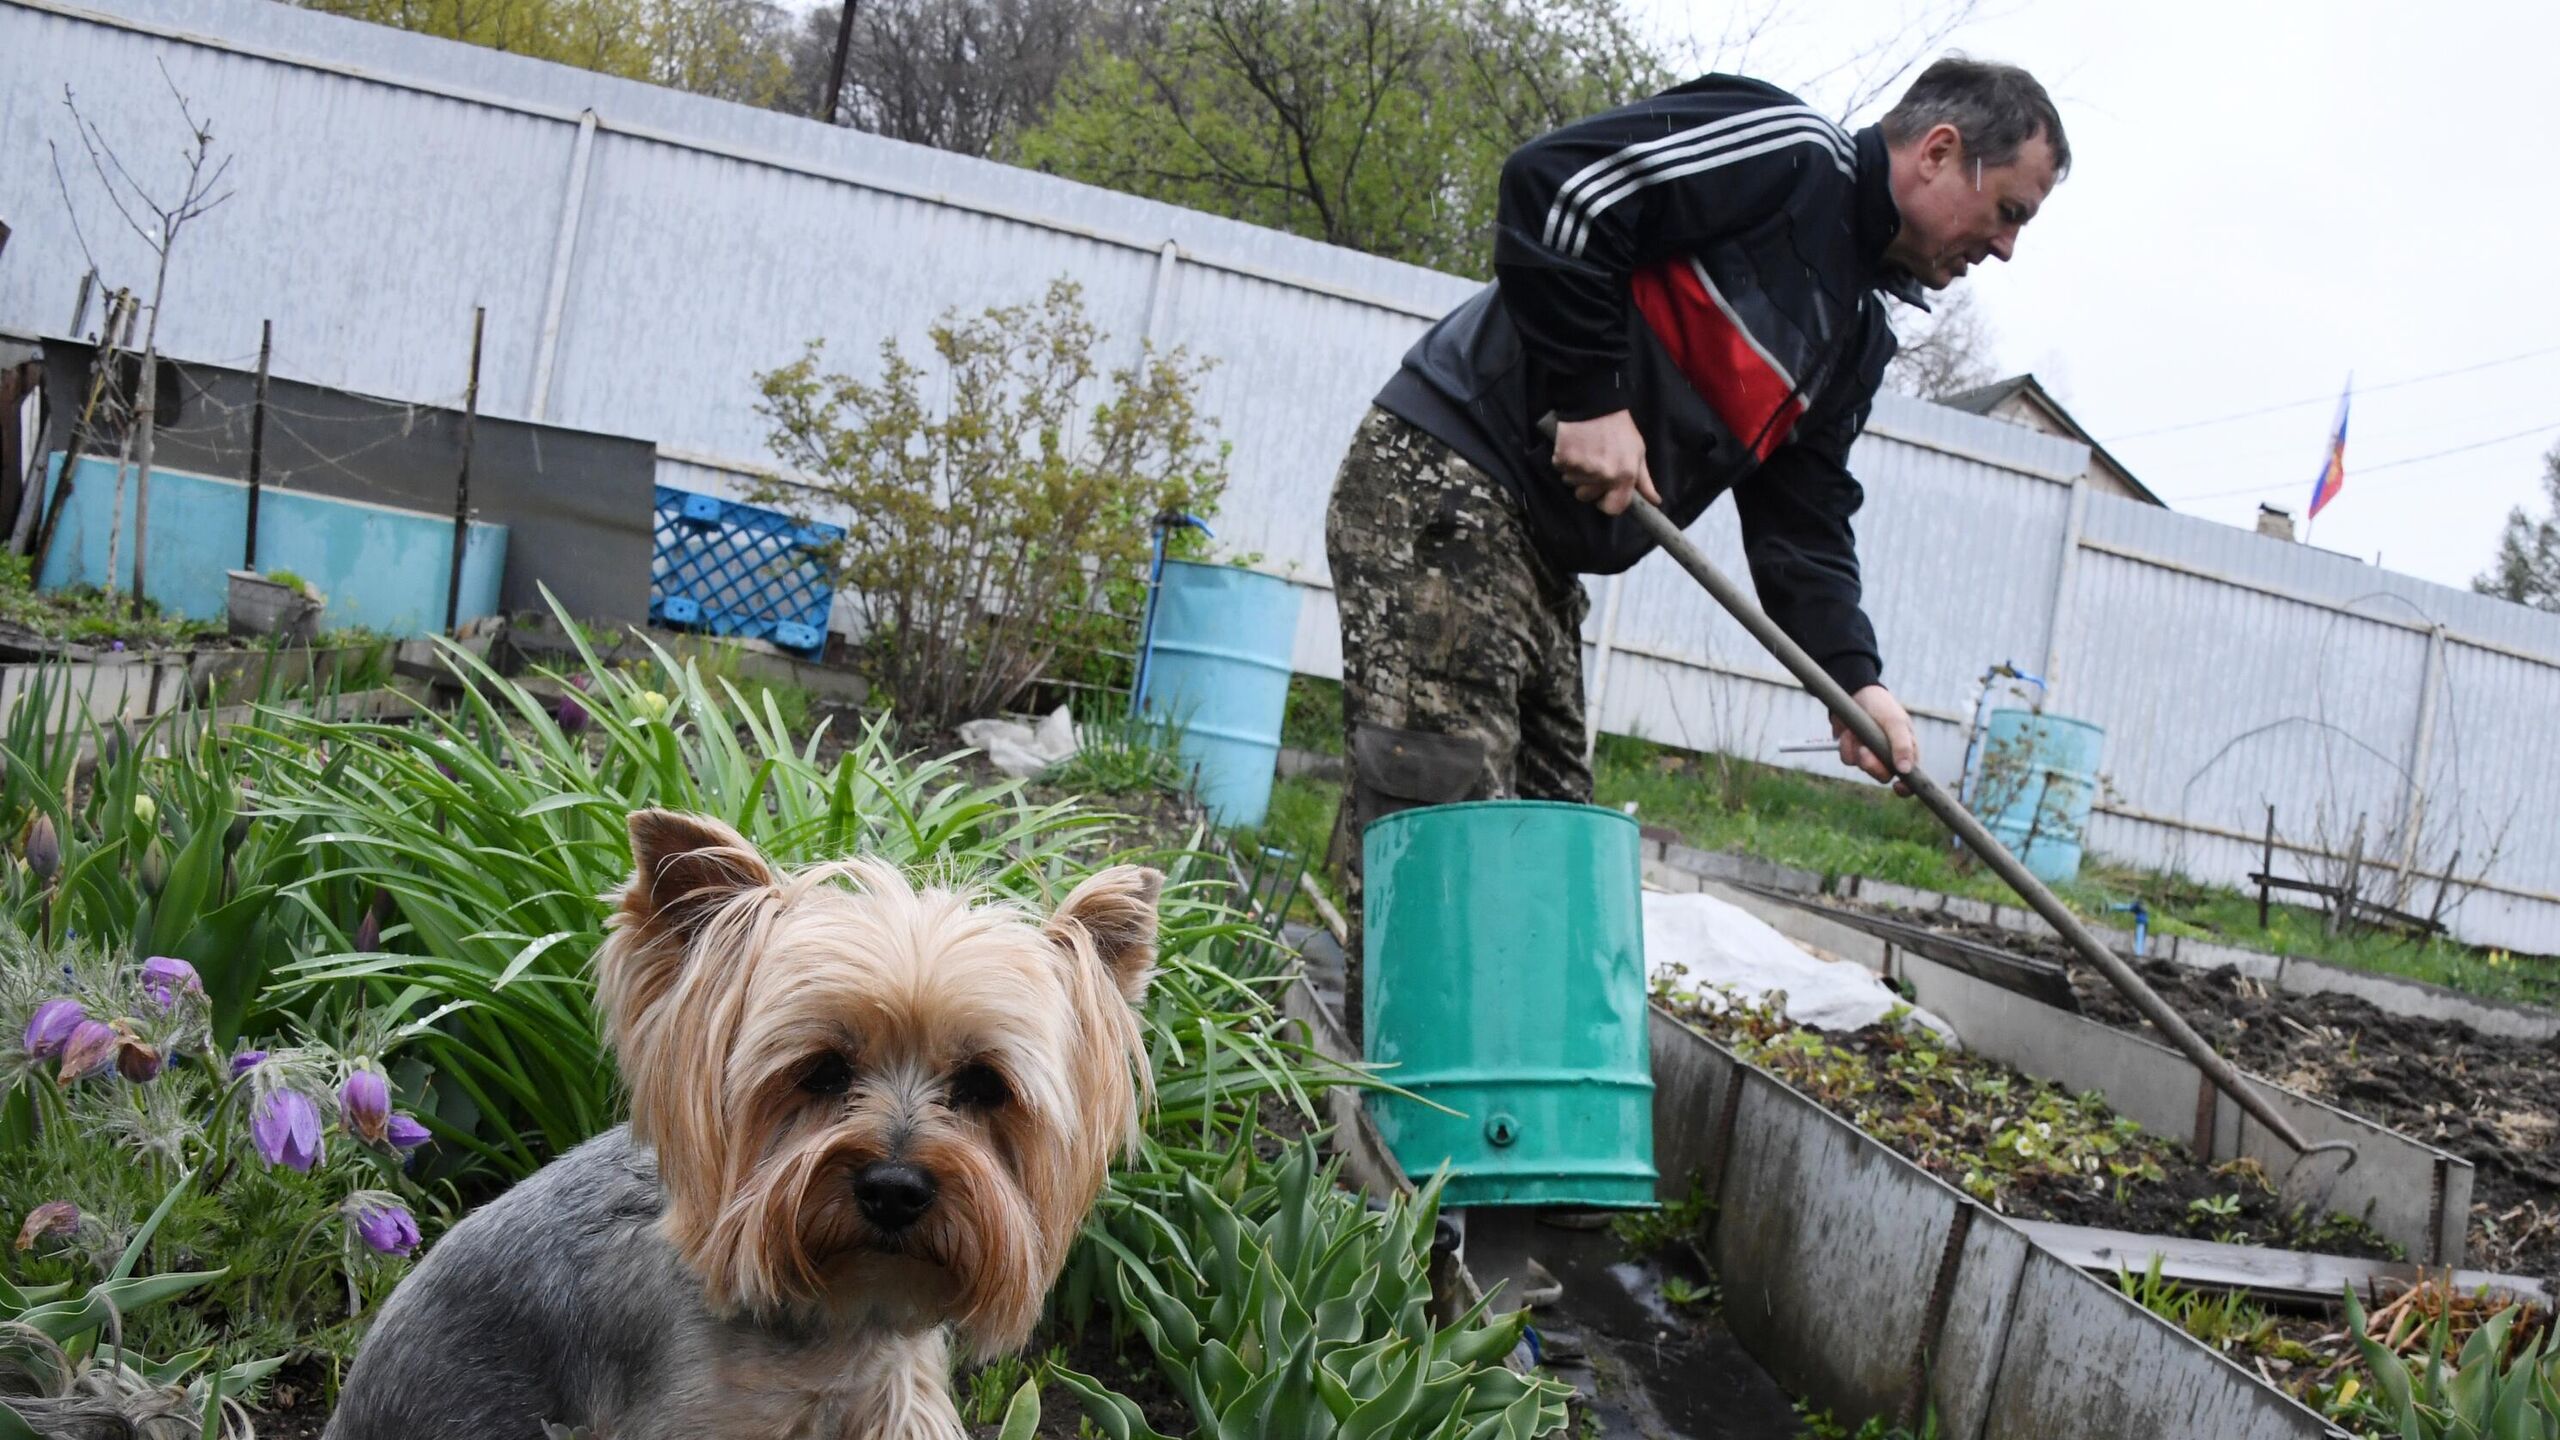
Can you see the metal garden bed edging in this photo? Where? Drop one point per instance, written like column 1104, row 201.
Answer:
column 1872, row 1288
column 2412, row 1193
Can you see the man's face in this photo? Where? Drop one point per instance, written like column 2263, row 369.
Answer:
column 1957, row 212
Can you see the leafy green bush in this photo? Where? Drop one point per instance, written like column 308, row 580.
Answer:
column 112, row 1093
column 985, row 529
column 1123, row 755
column 51, row 1367
column 2482, row 1395
column 1280, row 1306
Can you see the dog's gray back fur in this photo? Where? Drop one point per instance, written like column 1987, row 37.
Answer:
column 559, row 1302
column 562, row 1303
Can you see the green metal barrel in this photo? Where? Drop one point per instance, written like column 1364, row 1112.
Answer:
column 1504, row 965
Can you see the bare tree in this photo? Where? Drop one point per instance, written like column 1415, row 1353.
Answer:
column 157, row 223
column 964, row 75
column 1945, row 350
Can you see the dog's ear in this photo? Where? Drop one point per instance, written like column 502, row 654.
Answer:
column 1115, row 912
column 683, row 866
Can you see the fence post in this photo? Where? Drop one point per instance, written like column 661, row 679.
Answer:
column 462, row 485
column 258, row 441
column 2413, row 806
column 1160, row 296
column 555, row 300
column 2059, row 611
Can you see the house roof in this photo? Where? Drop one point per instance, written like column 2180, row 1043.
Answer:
column 1983, row 399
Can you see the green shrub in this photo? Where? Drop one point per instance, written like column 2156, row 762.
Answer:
column 112, row 1093
column 50, row 1346
column 1279, row 1305
column 990, row 520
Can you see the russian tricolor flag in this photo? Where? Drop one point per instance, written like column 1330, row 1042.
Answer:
column 2333, row 476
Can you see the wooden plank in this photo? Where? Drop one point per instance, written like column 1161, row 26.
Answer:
column 2274, row 1274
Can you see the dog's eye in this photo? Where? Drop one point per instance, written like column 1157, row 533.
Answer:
column 827, row 1075
column 979, row 1087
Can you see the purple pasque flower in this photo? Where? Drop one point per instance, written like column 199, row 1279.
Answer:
column 51, row 1025
column 166, row 977
column 364, row 1106
column 385, row 1225
column 90, row 1049
column 137, row 1059
column 369, row 931
column 246, row 1061
column 286, row 1130
column 405, row 1133
column 53, row 1217
column 573, row 716
column 42, row 849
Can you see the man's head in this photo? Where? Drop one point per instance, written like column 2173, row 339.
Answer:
column 1975, row 149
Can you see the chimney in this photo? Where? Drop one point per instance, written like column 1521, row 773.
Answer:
column 2275, row 520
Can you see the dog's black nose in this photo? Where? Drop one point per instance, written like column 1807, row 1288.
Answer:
column 892, row 1193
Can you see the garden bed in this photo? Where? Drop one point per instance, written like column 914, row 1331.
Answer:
column 2022, row 1145
column 2491, row 1100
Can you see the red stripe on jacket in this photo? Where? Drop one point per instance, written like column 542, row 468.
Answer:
column 1749, row 392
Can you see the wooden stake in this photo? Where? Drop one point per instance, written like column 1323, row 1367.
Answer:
column 258, row 440
column 2266, row 867
column 462, row 486
column 101, row 378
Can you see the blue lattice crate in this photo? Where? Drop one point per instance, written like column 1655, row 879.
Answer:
column 728, row 568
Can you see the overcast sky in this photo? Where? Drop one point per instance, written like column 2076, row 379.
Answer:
column 2264, row 198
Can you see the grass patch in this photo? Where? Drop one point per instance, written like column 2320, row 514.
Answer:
column 1313, row 719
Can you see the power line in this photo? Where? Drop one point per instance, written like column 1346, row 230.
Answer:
column 2328, row 399
column 2389, row 464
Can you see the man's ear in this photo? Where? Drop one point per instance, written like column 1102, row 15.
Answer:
column 1116, row 912
column 682, row 867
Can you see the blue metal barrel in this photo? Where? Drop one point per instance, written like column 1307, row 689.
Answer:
column 2037, row 781
column 1217, row 666
column 1504, row 964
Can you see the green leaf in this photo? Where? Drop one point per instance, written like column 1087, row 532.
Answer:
column 1022, row 1415
column 14, row 1426
column 1117, row 1414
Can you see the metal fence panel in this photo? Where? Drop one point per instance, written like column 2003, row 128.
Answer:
column 644, row 253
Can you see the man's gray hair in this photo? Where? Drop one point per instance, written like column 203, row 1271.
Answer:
column 1996, row 108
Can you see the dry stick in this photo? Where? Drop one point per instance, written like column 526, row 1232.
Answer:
column 101, row 378
column 258, row 440
column 2266, row 867
column 462, row 485
column 1971, row 830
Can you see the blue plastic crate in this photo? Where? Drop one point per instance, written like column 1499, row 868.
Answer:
column 734, row 569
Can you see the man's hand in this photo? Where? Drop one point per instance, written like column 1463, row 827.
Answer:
column 1891, row 718
column 1603, row 460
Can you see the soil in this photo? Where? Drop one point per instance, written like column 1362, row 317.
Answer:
column 297, row 1405
column 1944, row 1120
column 2491, row 1100
column 1129, row 1371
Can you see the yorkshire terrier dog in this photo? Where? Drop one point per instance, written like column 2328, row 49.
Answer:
column 866, row 1122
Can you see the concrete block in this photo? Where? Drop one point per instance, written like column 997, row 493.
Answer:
column 2303, row 976
column 2207, row 955
column 1659, row 876
column 2018, row 920
column 1977, row 912
column 1899, row 897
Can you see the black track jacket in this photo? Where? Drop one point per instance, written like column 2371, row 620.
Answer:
column 1708, row 259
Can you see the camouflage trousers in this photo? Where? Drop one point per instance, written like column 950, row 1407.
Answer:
column 1461, row 646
